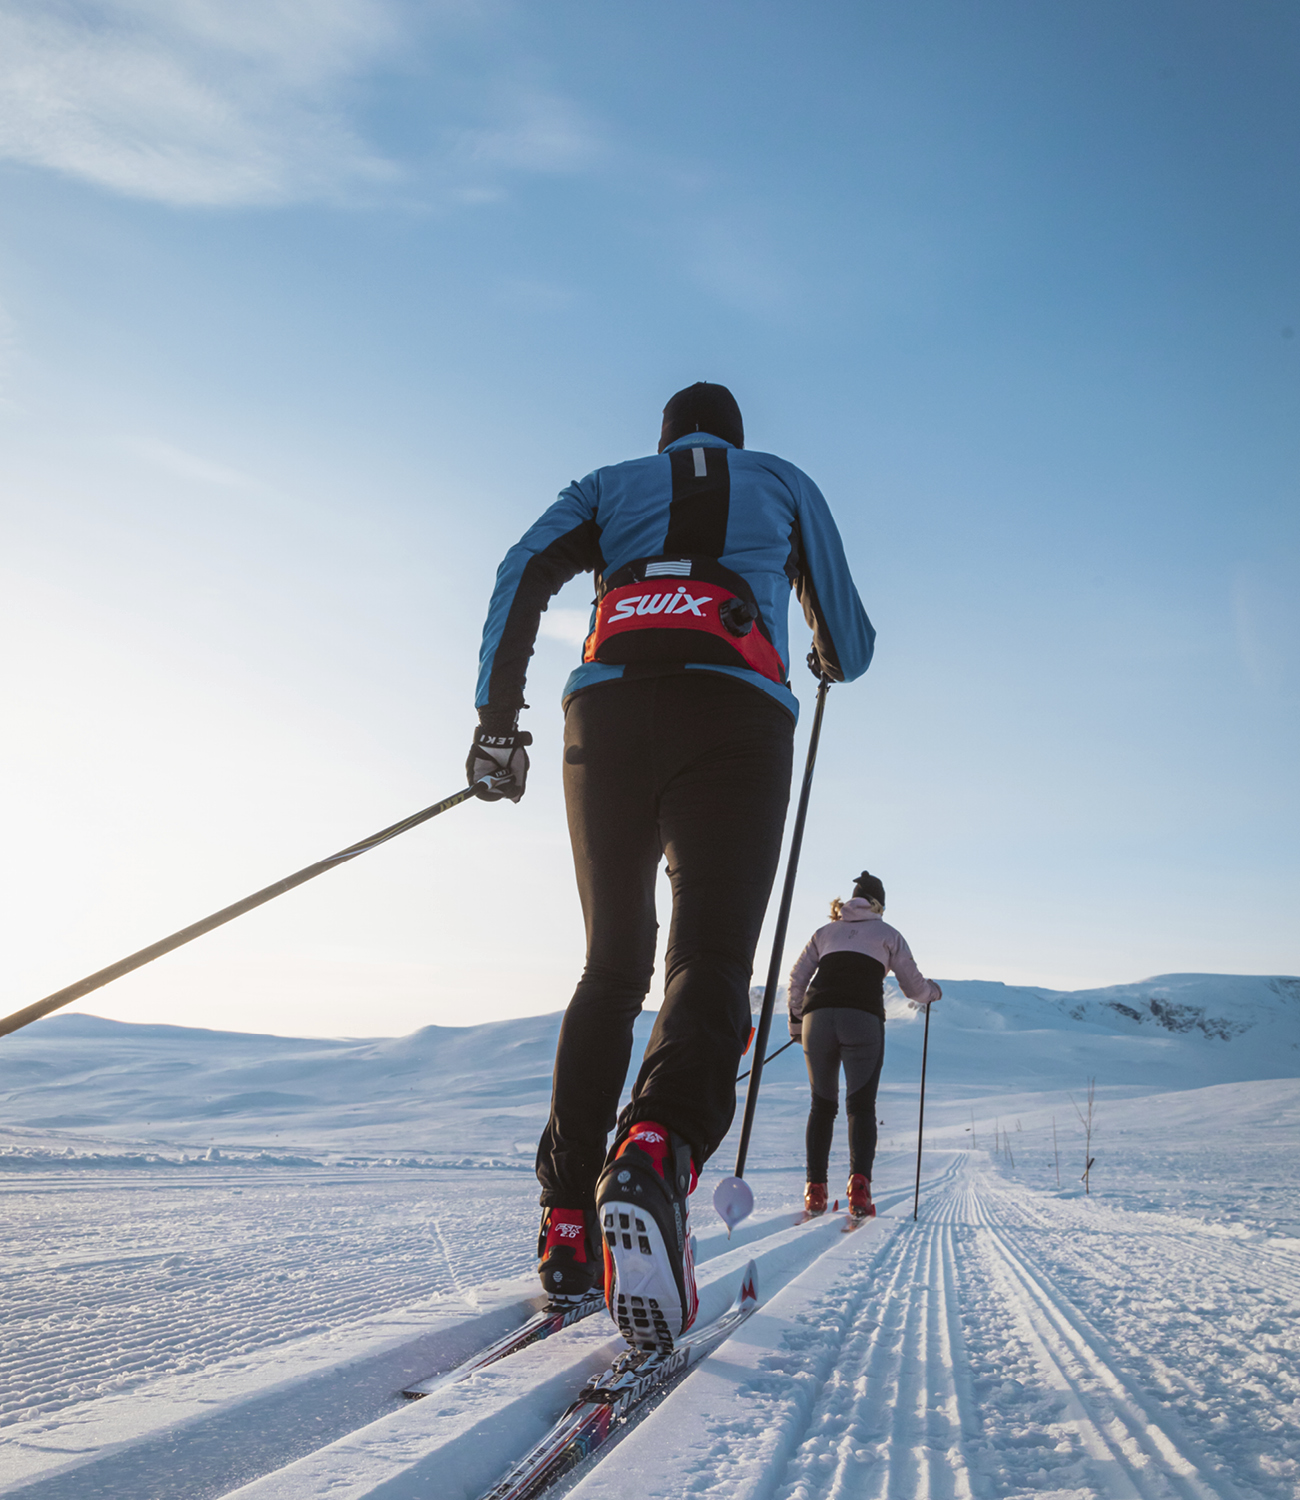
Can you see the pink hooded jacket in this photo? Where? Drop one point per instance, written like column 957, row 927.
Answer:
column 861, row 930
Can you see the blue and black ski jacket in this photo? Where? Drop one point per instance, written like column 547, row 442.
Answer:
column 760, row 517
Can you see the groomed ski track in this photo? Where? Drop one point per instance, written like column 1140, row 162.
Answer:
column 1010, row 1343
column 998, row 1347
column 462, row 1438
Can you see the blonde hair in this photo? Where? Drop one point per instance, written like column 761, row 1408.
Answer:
column 837, row 907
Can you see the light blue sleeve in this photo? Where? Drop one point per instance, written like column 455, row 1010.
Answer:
column 842, row 634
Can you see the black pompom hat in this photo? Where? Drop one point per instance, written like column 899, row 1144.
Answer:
column 703, row 408
column 869, row 886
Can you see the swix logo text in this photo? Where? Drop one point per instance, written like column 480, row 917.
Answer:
column 680, row 603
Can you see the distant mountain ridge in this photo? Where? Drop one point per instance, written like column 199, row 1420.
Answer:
column 82, row 1082
column 1217, row 1006
column 1183, row 1003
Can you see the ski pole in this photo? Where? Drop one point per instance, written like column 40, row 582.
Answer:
column 123, row 966
column 769, row 1057
column 920, row 1124
column 733, row 1198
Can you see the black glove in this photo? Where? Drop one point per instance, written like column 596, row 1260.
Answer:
column 492, row 754
column 815, row 665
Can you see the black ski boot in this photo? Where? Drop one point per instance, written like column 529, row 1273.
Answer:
column 649, row 1263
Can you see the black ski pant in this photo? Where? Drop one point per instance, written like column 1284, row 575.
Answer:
column 835, row 1036
column 693, row 765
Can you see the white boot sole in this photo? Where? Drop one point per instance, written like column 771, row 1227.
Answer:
column 646, row 1304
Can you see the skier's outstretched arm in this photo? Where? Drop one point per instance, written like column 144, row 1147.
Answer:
column 843, row 636
column 562, row 544
column 918, row 989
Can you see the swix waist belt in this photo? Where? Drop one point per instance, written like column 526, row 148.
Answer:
column 679, row 609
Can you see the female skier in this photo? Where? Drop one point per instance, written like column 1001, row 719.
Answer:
column 837, row 1009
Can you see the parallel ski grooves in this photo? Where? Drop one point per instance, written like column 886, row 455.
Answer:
column 947, row 1352
column 890, row 1417
column 1119, row 1427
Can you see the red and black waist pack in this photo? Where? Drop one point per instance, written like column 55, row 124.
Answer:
column 678, row 609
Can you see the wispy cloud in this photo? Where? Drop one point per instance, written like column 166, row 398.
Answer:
column 214, row 102
column 241, row 102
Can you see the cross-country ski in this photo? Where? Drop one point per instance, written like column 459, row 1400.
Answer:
column 608, row 1400
column 547, row 1321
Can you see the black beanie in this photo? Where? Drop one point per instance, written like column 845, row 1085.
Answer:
column 870, row 886
column 703, row 408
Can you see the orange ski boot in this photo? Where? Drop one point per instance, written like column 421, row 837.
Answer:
column 860, row 1204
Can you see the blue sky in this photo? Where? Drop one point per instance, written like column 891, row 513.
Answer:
column 307, row 311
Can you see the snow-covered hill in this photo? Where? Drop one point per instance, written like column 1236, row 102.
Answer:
column 1230, row 1026
column 79, row 1085
column 222, row 1255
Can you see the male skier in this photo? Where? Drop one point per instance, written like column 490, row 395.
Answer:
column 678, row 736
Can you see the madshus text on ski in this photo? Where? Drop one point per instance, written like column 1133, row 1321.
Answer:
column 678, row 744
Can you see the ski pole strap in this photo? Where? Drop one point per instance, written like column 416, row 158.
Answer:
column 98, row 980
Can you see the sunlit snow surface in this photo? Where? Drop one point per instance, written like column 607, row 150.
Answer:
column 224, row 1254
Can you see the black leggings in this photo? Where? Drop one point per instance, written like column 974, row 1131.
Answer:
column 856, row 1038
column 696, row 766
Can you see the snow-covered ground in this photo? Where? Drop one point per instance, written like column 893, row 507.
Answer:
column 223, row 1256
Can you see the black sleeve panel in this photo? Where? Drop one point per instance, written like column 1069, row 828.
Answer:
column 544, row 575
